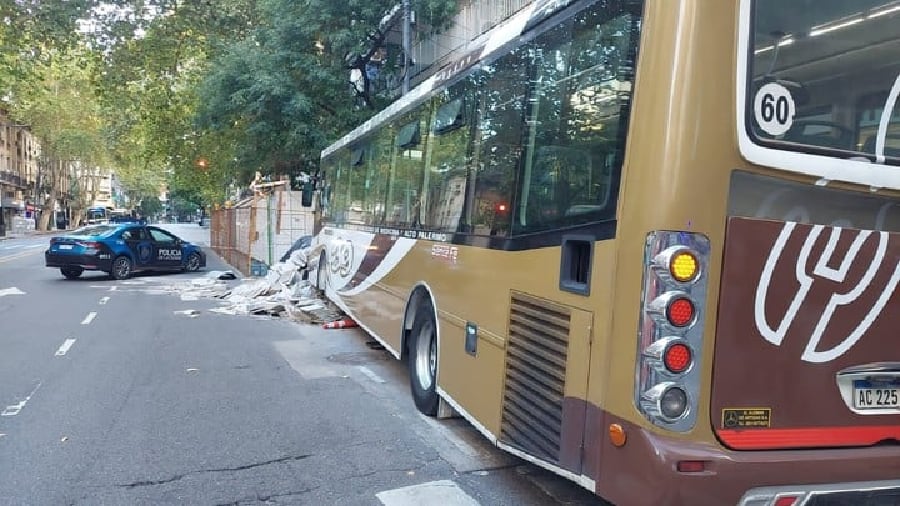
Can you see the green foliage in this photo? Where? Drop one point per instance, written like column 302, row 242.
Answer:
column 243, row 85
column 59, row 105
column 283, row 93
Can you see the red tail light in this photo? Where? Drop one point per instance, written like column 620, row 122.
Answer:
column 680, row 312
column 786, row 500
column 89, row 244
column 677, row 358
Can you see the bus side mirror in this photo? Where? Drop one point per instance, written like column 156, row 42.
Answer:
column 306, row 194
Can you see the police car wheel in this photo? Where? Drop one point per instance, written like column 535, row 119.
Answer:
column 193, row 263
column 71, row 272
column 121, row 268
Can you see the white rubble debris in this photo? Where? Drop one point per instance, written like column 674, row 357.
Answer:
column 282, row 292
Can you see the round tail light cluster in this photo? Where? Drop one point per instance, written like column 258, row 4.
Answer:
column 671, row 328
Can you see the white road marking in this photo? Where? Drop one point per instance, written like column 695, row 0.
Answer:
column 371, row 374
column 104, row 300
column 65, row 347
column 89, row 318
column 443, row 492
column 15, row 409
column 112, row 289
column 35, row 246
column 11, row 291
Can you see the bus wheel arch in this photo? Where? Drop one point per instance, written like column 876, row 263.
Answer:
column 420, row 348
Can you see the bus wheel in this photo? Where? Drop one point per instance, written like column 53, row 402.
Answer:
column 423, row 361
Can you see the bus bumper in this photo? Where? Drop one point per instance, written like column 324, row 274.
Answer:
column 645, row 472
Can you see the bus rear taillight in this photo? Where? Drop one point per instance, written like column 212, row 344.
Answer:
column 670, row 340
column 677, row 358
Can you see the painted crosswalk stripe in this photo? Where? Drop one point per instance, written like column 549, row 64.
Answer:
column 443, row 492
column 65, row 347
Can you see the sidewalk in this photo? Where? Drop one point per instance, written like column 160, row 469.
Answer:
column 35, row 233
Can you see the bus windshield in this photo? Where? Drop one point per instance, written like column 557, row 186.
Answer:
column 824, row 77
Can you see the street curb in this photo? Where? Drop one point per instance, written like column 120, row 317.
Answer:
column 37, row 233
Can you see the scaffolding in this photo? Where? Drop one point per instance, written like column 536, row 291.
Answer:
column 257, row 231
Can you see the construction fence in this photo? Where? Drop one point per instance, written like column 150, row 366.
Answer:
column 256, row 232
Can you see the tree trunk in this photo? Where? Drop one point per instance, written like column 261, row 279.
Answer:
column 77, row 214
column 48, row 210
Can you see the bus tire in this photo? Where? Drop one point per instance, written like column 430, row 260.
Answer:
column 423, row 361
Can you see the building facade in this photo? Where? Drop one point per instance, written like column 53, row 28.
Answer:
column 19, row 157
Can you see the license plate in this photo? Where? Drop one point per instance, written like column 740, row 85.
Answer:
column 65, row 246
column 876, row 394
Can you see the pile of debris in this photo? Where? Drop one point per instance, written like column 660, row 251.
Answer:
column 284, row 293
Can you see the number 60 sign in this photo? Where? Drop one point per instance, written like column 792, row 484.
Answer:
column 774, row 109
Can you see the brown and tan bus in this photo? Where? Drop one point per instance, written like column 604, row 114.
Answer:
column 650, row 245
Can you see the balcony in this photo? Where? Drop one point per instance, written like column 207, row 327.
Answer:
column 12, row 178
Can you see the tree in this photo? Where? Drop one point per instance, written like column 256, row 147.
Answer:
column 29, row 29
column 59, row 104
column 283, row 93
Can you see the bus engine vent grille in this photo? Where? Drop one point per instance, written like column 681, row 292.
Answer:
column 535, row 376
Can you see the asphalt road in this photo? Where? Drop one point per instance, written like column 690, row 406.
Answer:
column 111, row 394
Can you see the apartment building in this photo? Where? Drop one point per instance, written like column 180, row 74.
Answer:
column 19, row 154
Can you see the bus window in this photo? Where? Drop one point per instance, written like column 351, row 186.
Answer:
column 870, row 112
column 377, row 175
column 406, row 178
column 501, row 112
column 357, row 191
column 339, row 191
column 584, row 79
column 822, row 76
column 447, row 164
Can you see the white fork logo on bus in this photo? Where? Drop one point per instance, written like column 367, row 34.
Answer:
column 822, row 270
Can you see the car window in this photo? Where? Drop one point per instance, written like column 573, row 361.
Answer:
column 161, row 236
column 133, row 234
column 95, row 230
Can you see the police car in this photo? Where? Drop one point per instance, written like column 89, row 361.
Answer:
column 122, row 249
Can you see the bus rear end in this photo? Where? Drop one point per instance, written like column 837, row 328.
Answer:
column 767, row 371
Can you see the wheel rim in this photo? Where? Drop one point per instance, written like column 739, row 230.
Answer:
column 193, row 263
column 426, row 356
column 122, row 267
